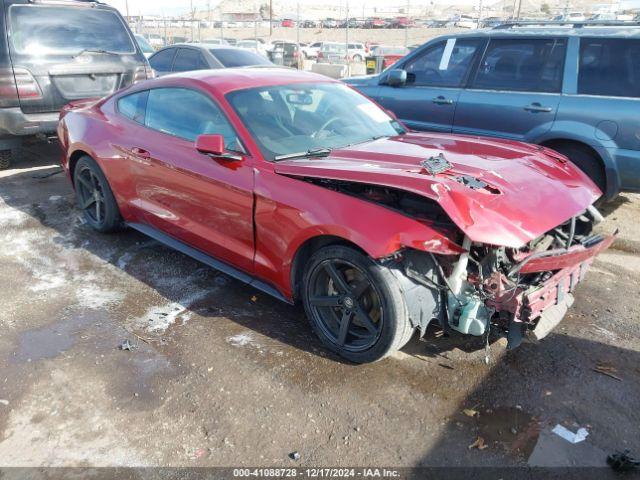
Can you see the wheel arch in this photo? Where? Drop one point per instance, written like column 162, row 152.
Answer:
column 307, row 249
column 607, row 168
column 75, row 156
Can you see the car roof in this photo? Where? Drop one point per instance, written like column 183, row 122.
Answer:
column 207, row 46
column 225, row 80
column 555, row 31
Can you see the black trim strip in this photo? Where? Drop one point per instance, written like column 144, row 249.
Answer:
column 207, row 260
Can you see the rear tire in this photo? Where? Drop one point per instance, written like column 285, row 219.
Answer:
column 586, row 161
column 6, row 158
column 340, row 285
column 94, row 197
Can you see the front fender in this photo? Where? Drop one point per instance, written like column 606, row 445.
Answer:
column 289, row 212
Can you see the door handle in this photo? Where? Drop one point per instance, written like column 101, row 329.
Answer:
column 140, row 152
column 442, row 101
column 536, row 107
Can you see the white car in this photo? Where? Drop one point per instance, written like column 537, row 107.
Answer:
column 155, row 40
column 253, row 45
column 311, row 51
column 357, row 52
column 215, row 41
column 334, row 52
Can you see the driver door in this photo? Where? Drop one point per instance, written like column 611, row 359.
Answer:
column 205, row 202
column 435, row 76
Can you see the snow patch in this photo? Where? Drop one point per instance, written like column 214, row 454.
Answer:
column 243, row 339
column 159, row 318
column 93, row 297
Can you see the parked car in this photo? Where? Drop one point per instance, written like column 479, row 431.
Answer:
column 335, row 52
column 571, row 17
column 287, row 54
column 308, row 24
column 253, row 45
column 288, row 23
column 202, row 56
column 146, row 48
column 303, row 188
column 491, row 22
column 329, row 23
column 311, row 50
column 215, row 41
column 155, row 40
column 573, row 90
column 466, row 21
column 57, row 52
column 390, row 54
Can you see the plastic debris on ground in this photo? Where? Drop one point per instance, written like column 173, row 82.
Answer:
column 127, row 345
column 569, row 436
column 294, row 456
column 479, row 444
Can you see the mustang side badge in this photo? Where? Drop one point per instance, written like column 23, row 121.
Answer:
column 435, row 165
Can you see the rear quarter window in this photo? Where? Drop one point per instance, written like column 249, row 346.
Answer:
column 162, row 60
column 44, row 29
column 609, row 67
column 134, row 106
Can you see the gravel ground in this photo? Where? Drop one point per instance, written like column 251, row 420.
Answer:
column 221, row 374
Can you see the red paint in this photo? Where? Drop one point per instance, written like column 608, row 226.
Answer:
column 255, row 215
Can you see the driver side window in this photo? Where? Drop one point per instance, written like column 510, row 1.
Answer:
column 445, row 64
column 185, row 113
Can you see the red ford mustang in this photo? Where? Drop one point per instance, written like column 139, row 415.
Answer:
column 300, row 186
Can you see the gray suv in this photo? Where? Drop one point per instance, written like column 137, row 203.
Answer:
column 53, row 52
column 575, row 89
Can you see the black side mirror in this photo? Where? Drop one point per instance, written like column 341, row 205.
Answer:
column 397, row 78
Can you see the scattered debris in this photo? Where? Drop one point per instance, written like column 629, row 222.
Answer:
column 294, row 456
column 470, row 412
column 622, row 461
column 569, row 436
column 127, row 345
column 194, row 454
column 479, row 444
column 4, row 402
column 608, row 370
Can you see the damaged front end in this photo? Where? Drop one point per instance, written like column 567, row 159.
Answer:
column 514, row 292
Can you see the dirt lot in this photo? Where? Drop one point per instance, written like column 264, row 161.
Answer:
column 223, row 375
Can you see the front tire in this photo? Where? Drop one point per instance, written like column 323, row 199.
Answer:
column 355, row 305
column 94, row 197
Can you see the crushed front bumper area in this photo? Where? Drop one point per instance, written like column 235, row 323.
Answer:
column 539, row 308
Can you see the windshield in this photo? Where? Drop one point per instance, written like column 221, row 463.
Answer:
column 235, row 57
column 288, row 119
column 44, row 29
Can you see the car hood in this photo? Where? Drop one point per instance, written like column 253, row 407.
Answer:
column 523, row 190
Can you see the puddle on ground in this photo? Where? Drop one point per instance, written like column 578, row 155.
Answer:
column 52, row 340
column 510, row 427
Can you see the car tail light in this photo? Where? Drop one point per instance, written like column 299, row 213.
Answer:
column 143, row 73
column 320, row 55
column 17, row 84
column 296, row 54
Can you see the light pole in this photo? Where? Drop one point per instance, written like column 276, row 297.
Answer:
column 406, row 28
